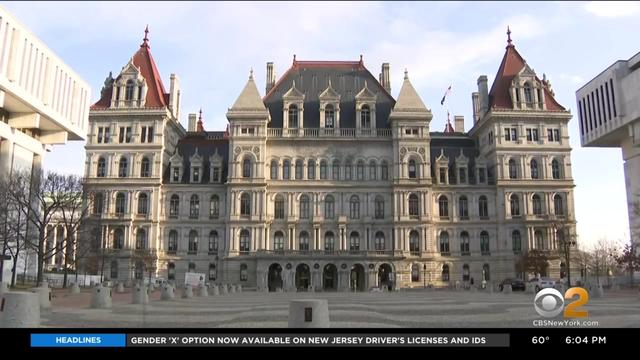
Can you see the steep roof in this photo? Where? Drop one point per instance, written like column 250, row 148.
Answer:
column 143, row 60
column 408, row 98
column 249, row 98
column 207, row 143
column 512, row 63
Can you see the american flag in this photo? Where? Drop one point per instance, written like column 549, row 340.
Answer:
column 446, row 93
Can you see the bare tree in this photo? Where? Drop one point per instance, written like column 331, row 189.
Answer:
column 13, row 230
column 566, row 239
column 603, row 257
column 148, row 258
column 629, row 259
column 533, row 261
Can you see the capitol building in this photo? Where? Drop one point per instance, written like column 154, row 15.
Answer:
column 326, row 181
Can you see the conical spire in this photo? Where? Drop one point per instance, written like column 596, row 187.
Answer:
column 200, row 127
column 408, row 99
column 249, row 98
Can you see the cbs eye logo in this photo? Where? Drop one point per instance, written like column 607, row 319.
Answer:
column 550, row 303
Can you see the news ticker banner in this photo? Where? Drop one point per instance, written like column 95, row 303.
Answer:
column 270, row 340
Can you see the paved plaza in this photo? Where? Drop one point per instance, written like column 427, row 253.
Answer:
column 403, row 309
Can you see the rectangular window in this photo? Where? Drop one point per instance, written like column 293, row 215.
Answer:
column 196, row 174
column 107, row 135
column 150, row 134
column 143, row 134
column 128, row 134
column 247, row 131
column 176, row 174
column 99, row 135
column 481, row 176
column 216, row 174
column 462, row 175
column 549, row 135
column 443, row 175
column 514, row 134
column 121, row 135
column 507, row 134
column 529, row 137
column 556, row 135
column 534, row 132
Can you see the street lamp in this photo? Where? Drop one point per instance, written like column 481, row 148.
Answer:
column 565, row 244
column 424, row 275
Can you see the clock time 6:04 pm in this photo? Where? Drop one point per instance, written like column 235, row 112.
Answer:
column 585, row 340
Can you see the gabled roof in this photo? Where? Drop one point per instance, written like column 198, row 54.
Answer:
column 329, row 92
column 293, row 92
column 249, row 98
column 511, row 65
column 408, row 98
column 365, row 93
column 143, row 60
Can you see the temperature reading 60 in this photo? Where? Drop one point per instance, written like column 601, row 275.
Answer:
column 539, row 339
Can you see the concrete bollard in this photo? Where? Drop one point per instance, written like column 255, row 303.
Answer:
column 152, row 287
column 506, row 289
column 239, row 288
column 45, row 296
column 308, row 314
column 101, row 297
column 203, row 291
column 232, row 289
column 74, row 289
column 223, row 289
column 120, row 288
column 20, row 310
column 215, row 290
column 530, row 288
column 128, row 284
column 188, row 292
column 168, row 292
column 139, row 295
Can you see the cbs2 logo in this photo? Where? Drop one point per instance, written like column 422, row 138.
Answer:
column 550, row 303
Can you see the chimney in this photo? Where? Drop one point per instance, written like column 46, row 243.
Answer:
column 476, row 107
column 192, row 122
column 174, row 96
column 483, row 96
column 459, row 123
column 271, row 77
column 384, row 77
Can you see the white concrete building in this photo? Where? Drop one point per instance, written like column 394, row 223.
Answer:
column 609, row 113
column 330, row 182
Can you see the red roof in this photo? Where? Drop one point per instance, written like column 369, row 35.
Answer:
column 448, row 128
column 500, row 95
column 156, row 95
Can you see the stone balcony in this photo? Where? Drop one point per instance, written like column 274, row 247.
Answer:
column 328, row 133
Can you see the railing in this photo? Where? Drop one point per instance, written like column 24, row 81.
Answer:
column 328, row 132
column 327, row 252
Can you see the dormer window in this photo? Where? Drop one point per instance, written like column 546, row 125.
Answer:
column 175, row 177
column 128, row 94
column 195, row 176
column 216, row 174
column 293, row 116
column 365, row 117
column 329, row 117
column 528, row 95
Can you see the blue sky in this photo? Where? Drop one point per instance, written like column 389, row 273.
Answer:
column 212, row 46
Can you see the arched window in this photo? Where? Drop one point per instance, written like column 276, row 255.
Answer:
column 384, row 171
column 444, row 242
column 212, row 272
column 335, row 171
column 464, row 243
column 445, row 272
column 534, row 169
column 379, row 205
column 102, row 168
column 515, row 205
column 299, row 168
column 415, row 272
column 354, row 207
column 513, row 169
column 443, row 203
column 246, row 168
column 98, row 203
column 141, row 239
column 413, row 173
column 311, row 170
column 347, row 170
column 558, row 206
column 414, row 241
column 414, row 205
column 171, row 271
column 537, row 204
column 354, row 241
column 484, row 242
column 365, row 117
column 214, row 207
column 323, row 170
column 379, row 241
column 465, row 272
column 528, row 95
column 194, row 207
column 123, row 167
column 193, row 242
column 174, row 206
column 274, row 170
column 172, row 246
column 145, row 168
column 121, row 204
column 278, row 241
column 114, row 269
column 483, row 207
column 539, row 238
column 213, row 242
column 143, row 204
column 243, row 272
column 303, row 241
column 293, row 116
column 373, row 169
column 329, row 241
column 245, row 241
column 128, row 92
column 329, row 117
column 516, row 241
column 278, row 207
column 555, row 169
column 360, row 170
column 286, row 169
column 245, row 204
column 485, row 272
column 329, row 207
column 118, row 239
column 304, row 207
column 463, row 207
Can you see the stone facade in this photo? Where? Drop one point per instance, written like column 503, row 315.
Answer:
column 328, row 182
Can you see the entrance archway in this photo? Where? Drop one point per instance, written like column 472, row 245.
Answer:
column 330, row 277
column 303, row 277
column 275, row 277
column 357, row 278
column 385, row 276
